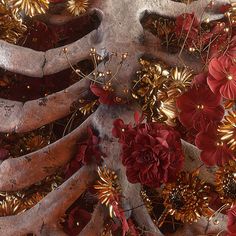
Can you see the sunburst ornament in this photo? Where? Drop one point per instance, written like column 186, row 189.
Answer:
column 78, row 7
column 108, row 188
column 227, row 130
column 11, row 28
column 187, row 199
column 226, row 182
column 30, row 7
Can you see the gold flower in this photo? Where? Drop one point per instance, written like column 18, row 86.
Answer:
column 226, row 182
column 30, row 7
column 187, row 199
column 13, row 203
column 78, row 7
column 108, row 188
column 36, row 142
column 227, row 130
column 157, row 88
column 11, row 28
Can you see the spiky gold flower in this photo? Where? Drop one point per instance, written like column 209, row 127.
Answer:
column 157, row 88
column 30, row 7
column 108, row 188
column 226, row 182
column 35, row 142
column 12, row 203
column 179, row 81
column 11, row 29
column 78, row 7
column 187, row 199
column 227, row 130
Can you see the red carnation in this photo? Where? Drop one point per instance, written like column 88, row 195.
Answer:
column 151, row 153
column 198, row 106
column 213, row 151
column 222, row 77
column 231, row 226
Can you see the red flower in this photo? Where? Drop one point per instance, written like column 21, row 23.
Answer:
column 213, row 151
column 222, row 77
column 88, row 151
column 151, row 153
column 105, row 96
column 198, row 106
column 76, row 221
column 231, row 226
column 187, row 25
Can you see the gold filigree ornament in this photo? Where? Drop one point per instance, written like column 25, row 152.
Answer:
column 108, row 188
column 187, row 199
column 77, row 7
column 157, row 88
column 30, row 7
column 227, row 130
column 11, row 28
column 225, row 179
column 13, row 203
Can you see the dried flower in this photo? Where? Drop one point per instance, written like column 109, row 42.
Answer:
column 227, row 130
column 78, row 7
column 226, row 182
column 108, row 189
column 88, row 107
column 187, row 199
column 30, row 7
column 11, row 28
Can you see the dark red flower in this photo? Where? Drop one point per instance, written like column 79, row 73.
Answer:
column 231, row 225
column 198, row 106
column 105, row 96
column 213, row 152
column 76, row 221
column 222, row 77
column 151, row 153
column 187, row 25
column 88, row 151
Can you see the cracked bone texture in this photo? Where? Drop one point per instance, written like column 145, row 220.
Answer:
column 114, row 34
column 120, row 31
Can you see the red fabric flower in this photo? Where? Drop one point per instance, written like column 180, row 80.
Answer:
column 198, row 106
column 222, row 77
column 231, row 225
column 76, row 221
column 151, row 152
column 88, row 151
column 213, row 152
column 187, row 25
column 105, row 96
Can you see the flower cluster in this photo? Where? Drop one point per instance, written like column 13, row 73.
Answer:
column 151, row 152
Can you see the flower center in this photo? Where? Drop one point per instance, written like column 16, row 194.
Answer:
column 229, row 77
column 200, row 106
